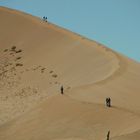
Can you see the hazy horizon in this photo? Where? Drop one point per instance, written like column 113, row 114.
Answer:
column 115, row 24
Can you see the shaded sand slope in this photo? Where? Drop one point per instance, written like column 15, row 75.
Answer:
column 63, row 118
column 36, row 58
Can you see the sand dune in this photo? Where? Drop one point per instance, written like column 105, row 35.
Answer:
column 36, row 58
column 63, row 118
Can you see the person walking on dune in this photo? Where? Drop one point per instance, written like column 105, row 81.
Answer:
column 62, row 90
column 108, row 135
column 108, row 102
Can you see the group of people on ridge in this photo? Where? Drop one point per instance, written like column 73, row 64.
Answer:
column 45, row 19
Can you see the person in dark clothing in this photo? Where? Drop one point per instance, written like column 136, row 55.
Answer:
column 108, row 102
column 45, row 18
column 62, row 90
column 108, row 135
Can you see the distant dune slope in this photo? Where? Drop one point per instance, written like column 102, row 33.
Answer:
column 36, row 58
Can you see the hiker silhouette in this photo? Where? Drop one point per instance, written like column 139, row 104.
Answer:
column 45, row 18
column 108, row 102
column 108, row 135
column 62, row 90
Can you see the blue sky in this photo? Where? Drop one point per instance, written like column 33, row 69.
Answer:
column 114, row 23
